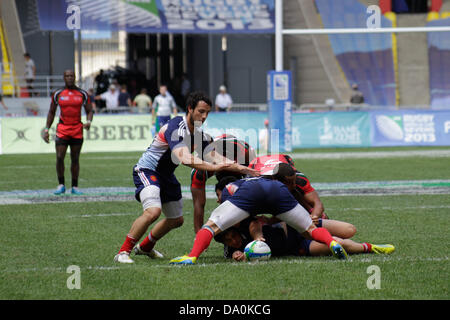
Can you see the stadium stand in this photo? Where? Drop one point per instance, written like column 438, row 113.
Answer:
column 439, row 61
column 366, row 60
column 5, row 65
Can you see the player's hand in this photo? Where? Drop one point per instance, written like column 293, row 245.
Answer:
column 46, row 136
column 315, row 218
column 238, row 256
column 260, row 238
column 87, row 125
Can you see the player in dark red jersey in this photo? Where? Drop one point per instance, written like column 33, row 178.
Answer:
column 305, row 194
column 69, row 131
column 230, row 147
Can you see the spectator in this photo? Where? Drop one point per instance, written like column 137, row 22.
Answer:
column 30, row 73
column 111, row 98
column 124, row 97
column 102, row 84
column 357, row 96
column 163, row 107
column 143, row 101
column 92, row 98
column 223, row 100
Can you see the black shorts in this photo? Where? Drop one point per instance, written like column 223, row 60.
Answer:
column 68, row 142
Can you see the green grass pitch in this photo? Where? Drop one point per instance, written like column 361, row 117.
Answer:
column 41, row 240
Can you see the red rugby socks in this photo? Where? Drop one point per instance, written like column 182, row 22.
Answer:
column 128, row 244
column 322, row 235
column 367, row 247
column 202, row 241
column 148, row 243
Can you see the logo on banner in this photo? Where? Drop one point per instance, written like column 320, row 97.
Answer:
column 345, row 135
column 409, row 128
column 391, row 127
column 281, row 87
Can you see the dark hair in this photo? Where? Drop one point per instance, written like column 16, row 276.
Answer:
column 224, row 181
column 195, row 97
column 283, row 170
column 26, row 54
column 220, row 237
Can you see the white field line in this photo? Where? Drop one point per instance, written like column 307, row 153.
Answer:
column 321, row 155
column 390, row 208
column 104, row 215
column 372, row 154
column 293, row 260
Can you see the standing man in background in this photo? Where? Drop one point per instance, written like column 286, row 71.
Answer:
column 143, row 101
column 223, row 100
column 164, row 105
column 30, row 73
column 69, row 131
column 111, row 98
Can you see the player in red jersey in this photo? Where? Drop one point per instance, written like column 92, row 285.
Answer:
column 304, row 192
column 69, row 131
column 233, row 149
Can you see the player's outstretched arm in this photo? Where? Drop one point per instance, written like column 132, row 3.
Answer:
column 183, row 155
column 215, row 157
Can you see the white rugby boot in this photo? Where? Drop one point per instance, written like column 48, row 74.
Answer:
column 123, row 257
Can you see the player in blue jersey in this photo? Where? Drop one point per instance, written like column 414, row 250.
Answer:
column 230, row 147
column 156, row 185
column 249, row 197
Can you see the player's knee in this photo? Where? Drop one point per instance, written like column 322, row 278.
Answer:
column 151, row 214
column 349, row 231
column 176, row 223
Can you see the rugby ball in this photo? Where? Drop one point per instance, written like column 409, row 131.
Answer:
column 257, row 250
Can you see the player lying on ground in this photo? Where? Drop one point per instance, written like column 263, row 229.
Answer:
column 252, row 196
column 158, row 189
column 284, row 240
column 230, row 147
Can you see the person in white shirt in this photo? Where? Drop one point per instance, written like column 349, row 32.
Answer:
column 111, row 98
column 223, row 100
column 163, row 106
column 30, row 73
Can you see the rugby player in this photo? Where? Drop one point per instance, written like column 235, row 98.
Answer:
column 156, row 185
column 230, row 147
column 284, row 240
column 252, row 196
column 69, row 131
column 303, row 192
